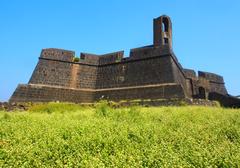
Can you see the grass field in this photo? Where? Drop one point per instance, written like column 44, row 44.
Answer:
column 68, row 135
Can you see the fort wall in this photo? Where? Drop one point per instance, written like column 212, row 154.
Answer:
column 115, row 79
column 159, row 91
column 136, row 73
column 66, row 74
column 150, row 72
column 216, row 82
column 46, row 93
column 209, row 81
column 57, row 54
column 91, row 59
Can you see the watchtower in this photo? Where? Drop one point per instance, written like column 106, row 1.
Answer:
column 162, row 32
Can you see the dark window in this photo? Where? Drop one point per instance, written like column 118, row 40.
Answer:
column 82, row 56
column 165, row 40
column 202, row 93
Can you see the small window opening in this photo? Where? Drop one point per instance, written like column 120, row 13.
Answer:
column 165, row 40
column 82, row 56
column 165, row 25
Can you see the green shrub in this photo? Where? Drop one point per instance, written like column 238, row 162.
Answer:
column 118, row 59
column 217, row 104
column 102, row 108
column 6, row 116
column 54, row 107
column 76, row 59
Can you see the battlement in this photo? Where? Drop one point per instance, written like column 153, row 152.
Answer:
column 57, row 54
column 162, row 45
column 111, row 57
column 211, row 77
column 105, row 59
column 189, row 73
column 148, row 51
column 89, row 58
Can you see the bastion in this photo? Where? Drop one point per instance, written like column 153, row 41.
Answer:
column 150, row 72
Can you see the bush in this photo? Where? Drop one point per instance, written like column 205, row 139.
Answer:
column 102, row 108
column 53, row 107
column 76, row 59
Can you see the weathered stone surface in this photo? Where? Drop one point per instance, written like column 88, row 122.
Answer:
column 46, row 93
column 150, row 72
column 5, row 106
column 225, row 100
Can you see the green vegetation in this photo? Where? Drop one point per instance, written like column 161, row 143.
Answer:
column 76, row 59
column 58, row 135
column 118, row 59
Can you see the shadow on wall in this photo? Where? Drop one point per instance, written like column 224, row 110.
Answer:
column 225, row 100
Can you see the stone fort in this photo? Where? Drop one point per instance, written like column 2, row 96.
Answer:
column 150, row 72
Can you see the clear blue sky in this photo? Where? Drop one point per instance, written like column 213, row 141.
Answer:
column 206, row 33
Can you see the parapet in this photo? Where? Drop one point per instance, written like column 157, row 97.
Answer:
column 111, row 58
column 189, row 73
column 162, row 45
column 148, row 51
column 101, row 59
column 57, row 54
column 89, row 58
column 211, row 77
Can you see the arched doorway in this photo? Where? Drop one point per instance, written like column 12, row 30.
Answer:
column 165, row 24
column 202, row 93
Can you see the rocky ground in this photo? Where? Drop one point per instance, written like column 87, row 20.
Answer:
column 5, row 106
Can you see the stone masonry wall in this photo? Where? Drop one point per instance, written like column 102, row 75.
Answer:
column 57, row 69
column 209, row 81
column 40, row 93
column 52, row 78
column 161, row 91
column 179, row 76
column 136, row 73
column 216, row 82
column 57, row 73
column 153, row 70
column 57, row 54
column 150, row 72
